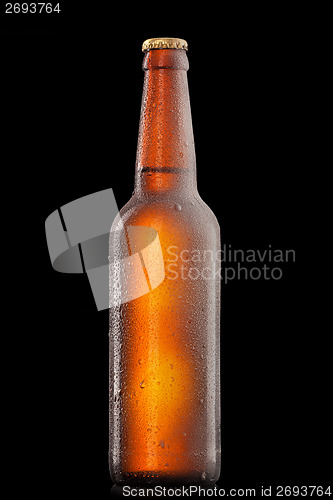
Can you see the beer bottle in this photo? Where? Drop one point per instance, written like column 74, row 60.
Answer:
column 165, row 296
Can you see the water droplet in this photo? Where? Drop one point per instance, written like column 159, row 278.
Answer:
column 178, row 207
column 140, row 361
column 143, row 384
column 166, row 465
column 201, row 401
column 203, row 476
column 161, row 444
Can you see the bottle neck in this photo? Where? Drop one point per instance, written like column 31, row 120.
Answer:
column 165, row 159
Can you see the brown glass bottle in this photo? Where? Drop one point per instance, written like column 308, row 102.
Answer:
column 164, row 344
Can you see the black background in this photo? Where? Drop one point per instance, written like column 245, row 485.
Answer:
column 73, row 86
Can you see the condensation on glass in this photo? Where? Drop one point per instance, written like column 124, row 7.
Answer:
column 164, row 343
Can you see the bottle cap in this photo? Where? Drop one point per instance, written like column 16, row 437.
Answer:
column 164, row 42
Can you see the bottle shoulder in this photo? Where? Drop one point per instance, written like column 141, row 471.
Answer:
column 209, row 212
column 174, row 211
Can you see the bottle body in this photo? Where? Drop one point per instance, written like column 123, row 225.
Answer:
column 164, row 342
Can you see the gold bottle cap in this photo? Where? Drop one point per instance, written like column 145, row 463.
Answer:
column 164, row 42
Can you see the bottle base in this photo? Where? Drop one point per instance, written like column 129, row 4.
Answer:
column 157, row 478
